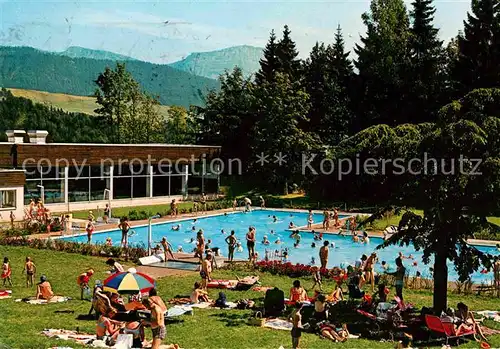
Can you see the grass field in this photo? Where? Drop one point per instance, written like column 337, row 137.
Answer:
column 69, row 103
column 125, row 211
column 21, row 323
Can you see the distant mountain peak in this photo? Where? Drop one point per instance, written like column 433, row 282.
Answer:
column 213, row 63
column 82, row 52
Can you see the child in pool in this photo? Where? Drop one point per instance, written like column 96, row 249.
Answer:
column 239, row 248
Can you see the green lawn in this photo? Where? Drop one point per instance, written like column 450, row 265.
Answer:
column 124, row 211
column 21, row 323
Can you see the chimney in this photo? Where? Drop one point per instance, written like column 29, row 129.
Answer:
column 15, row 136
column 37, row 136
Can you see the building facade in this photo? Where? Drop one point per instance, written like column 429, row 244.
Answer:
column 83, row 176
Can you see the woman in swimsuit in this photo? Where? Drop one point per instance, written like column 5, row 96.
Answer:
column 198, row 295
column 107, row 327
column 30, row 268
column 124, row 227
column 90, row 230
column 200, row 248
column 369, row 274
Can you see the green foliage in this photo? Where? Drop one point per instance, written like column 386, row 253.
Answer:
column 63, row 127
column 181, row 126
column 383, row 63
column 24, row 67
column 282, row 109
column 478, row 59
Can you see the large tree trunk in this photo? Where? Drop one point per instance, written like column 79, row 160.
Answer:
column 440, row 297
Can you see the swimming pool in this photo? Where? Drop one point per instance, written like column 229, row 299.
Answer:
column 345, row 250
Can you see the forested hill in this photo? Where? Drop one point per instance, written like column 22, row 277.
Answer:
column 28, row 68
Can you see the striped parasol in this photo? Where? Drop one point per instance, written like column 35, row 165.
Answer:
column 129, row 282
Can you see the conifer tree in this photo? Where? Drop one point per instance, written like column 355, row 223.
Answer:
column 287, row 55
column 427, row 90
column 478, row 62
column 269, row 63
column 383, row 64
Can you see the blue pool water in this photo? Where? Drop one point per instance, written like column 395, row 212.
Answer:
column 345, row 250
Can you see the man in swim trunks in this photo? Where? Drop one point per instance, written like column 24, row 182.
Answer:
column 323, row 254
column 30, row 268
column 231, row 245
column 157, row 322
column 296, row 332
column 167, row 249
column 124, row 226
column 251, row 242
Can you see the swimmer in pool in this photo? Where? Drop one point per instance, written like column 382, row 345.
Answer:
column 265, row 241
column 278, row 241
column 272, row 232
column 275, row 219
column 223, row 232
column 239, row 248
column 180, row 249
column 193, row 228
column 313, row 245
column 176, row 227
column 291, row 225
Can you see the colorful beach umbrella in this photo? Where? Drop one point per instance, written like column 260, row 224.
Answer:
column 129, row 282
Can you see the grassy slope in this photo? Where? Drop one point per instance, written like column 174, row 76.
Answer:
column 21, row 323
column 70, row 103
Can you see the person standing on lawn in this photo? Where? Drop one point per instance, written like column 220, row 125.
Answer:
column 400, row 274
column 6, row 271
column 296, row 319
column 157, row 322
column 30, row 268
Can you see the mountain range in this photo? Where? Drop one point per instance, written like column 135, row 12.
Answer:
column 28, row 68
column 207, row 64
column 74, row 71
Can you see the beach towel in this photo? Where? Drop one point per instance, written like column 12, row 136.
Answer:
column 261, row 288
column 278, row 324
column 178, row 310
column 81, row 338
column 489, row 331
column 55, row 299
column 490, row 314
column 5, row 294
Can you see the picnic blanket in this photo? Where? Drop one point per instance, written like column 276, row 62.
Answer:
column 490, row 314
column 81, row 338
column 278, row 324
column 5, row 294
column 55, row 299
column 185, row 303
column 178, row 310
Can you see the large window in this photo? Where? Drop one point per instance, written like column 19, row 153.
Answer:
column 53, row 191
column 7, row 199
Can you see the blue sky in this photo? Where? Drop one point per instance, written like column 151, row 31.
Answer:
column 140, row 28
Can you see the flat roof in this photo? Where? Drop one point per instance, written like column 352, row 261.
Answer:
column 117, row 145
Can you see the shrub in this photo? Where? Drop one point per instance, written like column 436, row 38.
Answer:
column 289, row 269
column 133, row 253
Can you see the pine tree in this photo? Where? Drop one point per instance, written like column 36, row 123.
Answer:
column 427, row 91
column 339, row 58
column 478, row 62
column 383, row 64
column 269, row 63
column 287, row 55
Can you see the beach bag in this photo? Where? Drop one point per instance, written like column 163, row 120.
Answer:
column 257, row 320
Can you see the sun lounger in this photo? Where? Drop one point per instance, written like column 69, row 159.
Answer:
column 446, row 329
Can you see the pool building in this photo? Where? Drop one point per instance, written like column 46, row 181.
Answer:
column 73, row 176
